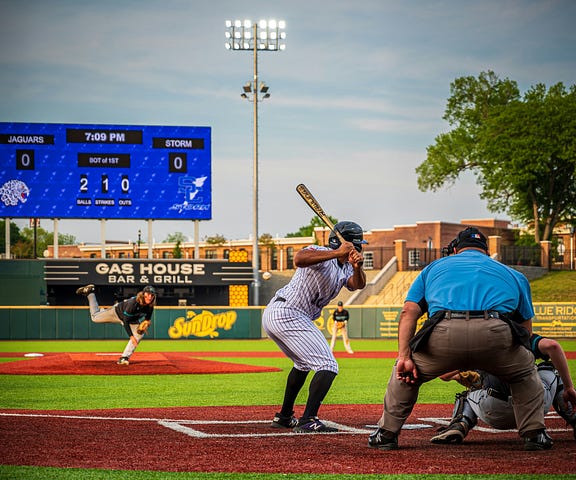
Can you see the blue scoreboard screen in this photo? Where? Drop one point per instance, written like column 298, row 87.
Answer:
column 105, row 171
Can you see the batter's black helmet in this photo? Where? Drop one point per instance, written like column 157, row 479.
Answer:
column 352, row 232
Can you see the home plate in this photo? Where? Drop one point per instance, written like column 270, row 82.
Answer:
column 408, row 426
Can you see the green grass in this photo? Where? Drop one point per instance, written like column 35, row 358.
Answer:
column 555, row 287
column 30, row 473
column 260, row 345
column 361, row 381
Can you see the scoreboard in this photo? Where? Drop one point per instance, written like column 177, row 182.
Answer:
column 105, row 171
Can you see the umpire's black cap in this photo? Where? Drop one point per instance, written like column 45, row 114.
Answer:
column 471, row 237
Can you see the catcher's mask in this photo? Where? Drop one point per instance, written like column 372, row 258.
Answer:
column 352, row 232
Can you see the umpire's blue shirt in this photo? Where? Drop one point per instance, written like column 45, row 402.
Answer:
column 471, row 280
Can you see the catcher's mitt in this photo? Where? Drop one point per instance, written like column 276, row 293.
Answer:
column 143, row 327
column 470, row 379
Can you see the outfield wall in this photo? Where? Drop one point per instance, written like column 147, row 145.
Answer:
column 62, row 323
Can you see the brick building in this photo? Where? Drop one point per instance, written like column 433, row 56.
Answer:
column 424, row 241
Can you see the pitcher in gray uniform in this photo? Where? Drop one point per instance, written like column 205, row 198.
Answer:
column 289, row 321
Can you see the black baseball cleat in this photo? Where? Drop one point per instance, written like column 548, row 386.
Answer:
column 123, row 361
column 87, row 290
column 541, row 441
column 383, row 440
column 284, row 421
column 312, row 425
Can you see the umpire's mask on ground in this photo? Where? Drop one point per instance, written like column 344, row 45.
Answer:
column 352, row 232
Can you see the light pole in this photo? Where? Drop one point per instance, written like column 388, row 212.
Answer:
column 266, row 35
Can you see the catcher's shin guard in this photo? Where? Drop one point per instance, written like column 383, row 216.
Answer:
column 463, row 420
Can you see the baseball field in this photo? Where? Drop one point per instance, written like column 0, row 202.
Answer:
column 201, row 409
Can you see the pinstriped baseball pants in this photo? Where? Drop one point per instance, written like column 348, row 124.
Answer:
column 299, row 338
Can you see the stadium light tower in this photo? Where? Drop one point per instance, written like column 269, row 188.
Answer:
column 266, row 35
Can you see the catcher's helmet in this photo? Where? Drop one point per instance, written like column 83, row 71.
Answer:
column 352, row 232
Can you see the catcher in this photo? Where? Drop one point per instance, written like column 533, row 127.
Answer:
column 488, row 398
column 340, row 326
column 127, row 313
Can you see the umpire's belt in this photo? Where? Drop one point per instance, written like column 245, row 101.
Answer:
column 466, row 314
column 496, row 394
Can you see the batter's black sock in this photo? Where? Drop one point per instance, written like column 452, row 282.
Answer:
column 319, row 386
column 296, row 379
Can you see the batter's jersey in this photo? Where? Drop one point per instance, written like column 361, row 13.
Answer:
column 471, row 280
column 312, row 288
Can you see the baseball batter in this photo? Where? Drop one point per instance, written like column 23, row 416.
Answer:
column 289, row 321
column 127, row 313
column 490, row 400
column 340, row 318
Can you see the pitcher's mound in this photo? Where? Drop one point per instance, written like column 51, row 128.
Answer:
column 141, row 363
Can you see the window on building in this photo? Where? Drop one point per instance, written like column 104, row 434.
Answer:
column 211, row 254
column 226, row 254
column 165, row 254
column 368, row 260
column 290, row 258
column 414, row 258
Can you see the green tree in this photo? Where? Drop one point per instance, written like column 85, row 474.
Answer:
column 522, row 150
column 308, row 230
column 266, row 239
column 216, row 240
column 175, row 238
column 14, row 235
column 43, row 240
column 177, row 251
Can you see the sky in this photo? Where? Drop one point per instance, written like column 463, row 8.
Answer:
column 356, row 98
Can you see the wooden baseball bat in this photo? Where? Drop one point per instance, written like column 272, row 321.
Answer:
column 317, row 209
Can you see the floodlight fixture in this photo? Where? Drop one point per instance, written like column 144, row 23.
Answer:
column 265, row 35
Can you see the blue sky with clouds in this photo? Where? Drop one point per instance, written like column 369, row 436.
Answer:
column 356, row 97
